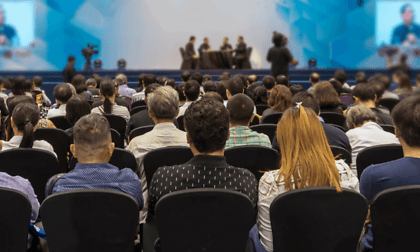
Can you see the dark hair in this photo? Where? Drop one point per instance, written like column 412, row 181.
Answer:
column 209, row 86
column 28, row 85
column 91, row 82
column 235, row 86
column 361, row 77
column 192, row 90
column 314, row 77
column 19, row 85
column 192, row 37
column 294, row 89
column 170, row 82
column 141, row 79
column 241, row 109
column 11, row 106
column 252, row 78
column 269, row 82
column 253, row 86
column 71, row 58
column 207, row 124
column 150, row 89
column 79, row 83
column 7, row 84
column 90, row 132
column 107, row 90
column 77, row 106
column 404, row 82
column 243, row 79
column 260, row 95
column 25, row 116
column 213, row 95
column 280, row 98
column 37, row 80
column 97, row 79
column 180, row 90
column 221, row 89
column 161, row 80
column 307, row 100
column 406, row 118
column 338, row 87
column 282, row 80
column 206, row 77
column 278, row 39
column 223, row 78
column 364, row 92
column 242, row 38
column 341, row 76
column 325, row 94
column 198, row 78
column 379, row 88
column 405, row 6
column 185, row 76
column 149, row 79
column 62, row 92
column 11, row 79
column 227, row 73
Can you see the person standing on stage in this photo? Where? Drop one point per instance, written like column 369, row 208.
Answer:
column 240, row 57
column 225, row 45
column 203, row 48
column 279, row 56
column 190, row 56
column 69, row 72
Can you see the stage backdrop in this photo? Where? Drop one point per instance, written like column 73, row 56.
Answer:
column 149, row 33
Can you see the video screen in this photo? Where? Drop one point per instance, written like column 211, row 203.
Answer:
column 17, row 23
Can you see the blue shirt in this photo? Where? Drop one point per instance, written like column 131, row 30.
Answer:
column 100, row 176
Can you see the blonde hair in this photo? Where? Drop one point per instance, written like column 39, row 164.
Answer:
column 306, row 157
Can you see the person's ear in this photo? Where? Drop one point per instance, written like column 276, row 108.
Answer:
column 252, row 118
column 375, row 98
column 73, row 150
column 356, row 100
column 177, row 113
column 228, row 95
column 188, row 138
column 228, row 135
column 184, row 93
column 397, row 133
column 111, row 148
column 151, row 114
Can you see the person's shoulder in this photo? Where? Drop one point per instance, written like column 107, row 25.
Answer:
column 384, row 169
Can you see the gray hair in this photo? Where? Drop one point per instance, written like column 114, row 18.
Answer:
column 163, row 102
column 122, row 77
column 91, row 134
column 359, row 114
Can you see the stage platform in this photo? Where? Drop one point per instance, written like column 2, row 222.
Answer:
column 298, row 76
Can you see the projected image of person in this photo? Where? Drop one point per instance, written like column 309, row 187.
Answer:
column 8, row 35
column 407, row 33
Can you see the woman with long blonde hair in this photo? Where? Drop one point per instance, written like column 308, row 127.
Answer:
column 306, row 161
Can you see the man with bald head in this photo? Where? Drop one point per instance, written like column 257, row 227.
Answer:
column 314, row 79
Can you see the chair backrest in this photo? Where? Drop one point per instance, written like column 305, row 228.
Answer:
column 388, row 128
column 35, row 165
column 376, row 155
column 166, row 156
column 272, row 119
column 257, row 159
column 137, row 109
column 333, row 118
column 128, row 99
column 204, row 220
column 118, row 123
column 389, row 103
column 395, row 216
column 140, row 131
column 254, row 121
column 116, row 138
column 60, row 122
column 120, row 158
column 268, row 129
column 261, row 108
column 16, row 211
column 180, row 121
column 59, row 140
column 332, row 221
column 95, row 220
column 138, row 103
column 341, row 153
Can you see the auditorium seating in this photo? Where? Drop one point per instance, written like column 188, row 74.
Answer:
column 60, row 122
column 119, row 124
column 272, row 119
column 139, row 131
column 268, row 129
column 341, row 153
column 59, row 140
column 333, row 118
column 137, row 109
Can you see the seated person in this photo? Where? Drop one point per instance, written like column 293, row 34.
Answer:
column 123, row 88
column 328, row 98
column 241, row 108
column 269, row 82
column 91, row 84
column 191, row 92
column 118, row 100
column 41, row 97
column 401, row 172
column 79, row 84
column 148, row 79
column 209, row 86
column 76, row 108
column 207, row 126
column 279, row 100
column 62, row 92
column 108, row 92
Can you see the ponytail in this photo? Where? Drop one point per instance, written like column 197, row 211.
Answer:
column 107, row 105
column 28, row 135
column 25, row 116
column 107, row 90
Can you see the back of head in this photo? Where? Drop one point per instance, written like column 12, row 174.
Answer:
column 79, row 83
column 341, row 76
column 223, row 78
column 141, row 79
column 260, row 95
column 11, row 106
column 379, row 88
column 268, row 82
column 26, row 116
column 171, row 83
column 243, row 79
column 206, row 77
column 213, row 95
column 97, row 78
column 163, row 103
column 307, row 100
column 118, row 81
column 180, row 89
column 149, row 79
column 361, row 77
column 209, row 86
column 252, row 78
column 314, row 78
column 307, row 159
column 71, row 58
column 63, row 92
column 277, row 39
column 282, row 80
column 19, row 85
column 91, row 82
column 227, row 73
column 161, row 80
column 253, row 86
column 357, row 115
column 406, row 118
column 240, row 108
column 198, row 78
column 221, row 89
column 185, row 76
column 235, row 86
column 280, row 98
column 364, row 92
column 294, row 89
column 107, row 90
column 337, row 86
column 404, row 82
column 150, row 89
column 207, row 125
column 123, row 77
column 192, row 90
column 7, row 84
column 326, row 94
column 37, row 80
column 77, row 107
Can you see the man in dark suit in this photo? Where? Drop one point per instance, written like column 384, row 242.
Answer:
column 190, row 57
column 225, row 45
column 203, row 47
column 279, row 56
column 240, row 57
column 69, row 72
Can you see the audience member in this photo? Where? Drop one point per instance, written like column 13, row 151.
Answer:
column 294, row 89
column 314, row 78
column 221, row 89
column 269, row 82
column 340, row 75
column 124, row 90
column 62, row 93
column 361, row 77
column 3, row 89
column 282, row 80
column 363, row 131
column 79, row 83
column 327, row 98
column 198, row 78
column 260, row 96
column 97, row 78
column 161, row 80
column 213, row 95
column 279, row 100
column 171, row 83
column 417, row 83
column 40, row 96
column 209, row 86
column 185, row 76
column 191, row 92
column 76, row 108
column 91, row 84
column 379, row 91
column 206, row 77
column 386, row 81
column 140, row 82
column 251, row 79
column 404, row 86
column 147, row 80
column 19, row 87
column 253, row 86
column 223, row 77
column 180, row 89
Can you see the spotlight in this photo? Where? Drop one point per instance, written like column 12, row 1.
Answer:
column 97, row 64
column 312, row 63
column 122, row 64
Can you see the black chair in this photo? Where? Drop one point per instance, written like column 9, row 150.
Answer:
column 180, row 121
column 395, row 217
column 166, row 156
column 94, row 220
column 120, row 158
column 205, row 219
column 140, row 131
column 257, row 159
column 331, row 221
column 60, row 122
column 333, row 118
column 376, row 155
column 261, row 108
column 127, row 99
column 59, row 140
column 338, row 127
column 388, row 128
column 137, row 109
column 35, row 165
column 254, row 121
column 16, row 211
column 389, row 103
column 119, row 124
column 116, row 138
column 138, row 103
column 341, row 153
column 268, row 129
column 272, row 119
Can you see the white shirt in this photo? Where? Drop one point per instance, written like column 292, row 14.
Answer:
column 138, row 96
column 370, row 134
column 115, row 110
column 183, row 108
column 5, row 97
column 61, row 111
column 15, row 141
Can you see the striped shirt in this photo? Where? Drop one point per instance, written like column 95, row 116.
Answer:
column 115, row 110
column 243, row 135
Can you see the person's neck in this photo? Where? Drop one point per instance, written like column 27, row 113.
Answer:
column 410, row 151
column 157, row 121
column 215, row 153
column 370, row 103
column 231, row 125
